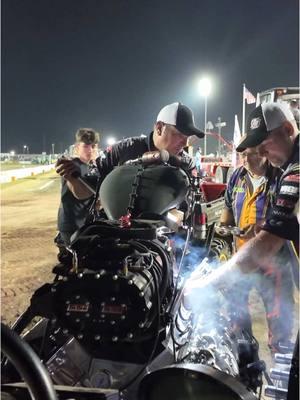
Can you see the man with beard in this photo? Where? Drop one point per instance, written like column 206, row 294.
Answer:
column 273, row 129
column 247, row 200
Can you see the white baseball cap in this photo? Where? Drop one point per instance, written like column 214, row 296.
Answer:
column 181, row 117
column 261, row 121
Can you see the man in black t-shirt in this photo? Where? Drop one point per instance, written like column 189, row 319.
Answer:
column 73, row 212
column 174, row 125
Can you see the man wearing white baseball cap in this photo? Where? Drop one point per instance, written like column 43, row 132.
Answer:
column 174, row 125
column 271, row 120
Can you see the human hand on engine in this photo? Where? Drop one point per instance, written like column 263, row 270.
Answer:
column 250, row 230
column 67, row 169
column 247, row 232
column 258, row 227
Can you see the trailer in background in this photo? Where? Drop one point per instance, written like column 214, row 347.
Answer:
column 280, row 94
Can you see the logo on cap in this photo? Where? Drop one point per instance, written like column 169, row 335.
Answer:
column 255, row 123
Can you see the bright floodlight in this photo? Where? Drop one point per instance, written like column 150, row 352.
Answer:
column 12, row 153
column 111, row 141
column 204, row 86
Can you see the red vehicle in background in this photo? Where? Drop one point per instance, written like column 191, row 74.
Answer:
column 218, row 169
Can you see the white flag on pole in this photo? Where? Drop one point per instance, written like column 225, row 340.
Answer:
column 236, row 139
column 237, row 132
column 248, row 96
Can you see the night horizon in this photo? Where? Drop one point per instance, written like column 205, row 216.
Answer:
column 112, row 66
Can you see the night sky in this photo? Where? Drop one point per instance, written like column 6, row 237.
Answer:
column 111, row 65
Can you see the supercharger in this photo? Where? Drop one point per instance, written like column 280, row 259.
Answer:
column 115, row 314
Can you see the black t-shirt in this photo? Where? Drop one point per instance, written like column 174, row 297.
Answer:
column 130, row 149
column 282, row 220
column 72, row 212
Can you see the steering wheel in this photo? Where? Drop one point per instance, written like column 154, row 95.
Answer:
column 28, row 365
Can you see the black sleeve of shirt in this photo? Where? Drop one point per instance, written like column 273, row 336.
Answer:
column 119, row 153
column 108, row 160
column 282, row 220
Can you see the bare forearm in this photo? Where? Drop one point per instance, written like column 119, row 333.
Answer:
column 257, row 252
column 79, row 190
column 71, row 173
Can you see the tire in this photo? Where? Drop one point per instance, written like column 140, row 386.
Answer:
column 221, row 174
column 220, row 250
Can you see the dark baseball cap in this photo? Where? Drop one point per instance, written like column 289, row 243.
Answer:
column 87, row 136
column 181, row 117
column 262, row 120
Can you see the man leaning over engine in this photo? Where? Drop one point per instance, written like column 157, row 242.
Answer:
column 172, row 129
column 271, row 127
column 248, row 199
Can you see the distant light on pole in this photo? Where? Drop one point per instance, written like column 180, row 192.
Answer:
column 111, row 141
column 12, row 152
column 53, row 146
column 24, row 148
column 204, row 86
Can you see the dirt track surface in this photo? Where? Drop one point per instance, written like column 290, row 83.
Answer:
column 28, row 226
column 29, row 212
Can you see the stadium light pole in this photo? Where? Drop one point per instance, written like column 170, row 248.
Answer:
column 204, row 91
